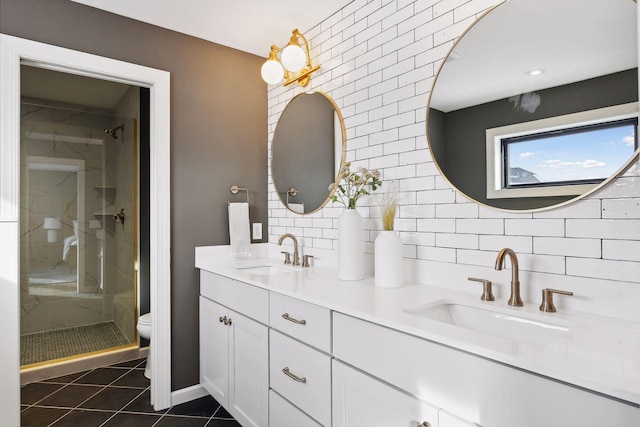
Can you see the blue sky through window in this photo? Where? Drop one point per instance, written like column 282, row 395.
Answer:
column 593, row 153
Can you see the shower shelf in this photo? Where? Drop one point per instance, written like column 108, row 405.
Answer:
column 101, row 215
column 107, row 192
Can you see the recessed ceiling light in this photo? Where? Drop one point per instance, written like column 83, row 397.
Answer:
column 535, row 72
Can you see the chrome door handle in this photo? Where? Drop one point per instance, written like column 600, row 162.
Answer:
column 291, row 319
column 293, row 377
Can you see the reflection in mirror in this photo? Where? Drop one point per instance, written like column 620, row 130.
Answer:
column 307, row 152
column 537, row 67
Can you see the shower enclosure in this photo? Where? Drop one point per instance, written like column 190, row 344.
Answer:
column 78, row 224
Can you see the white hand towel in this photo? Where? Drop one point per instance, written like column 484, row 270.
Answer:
column 239, row 230
column 297, row 207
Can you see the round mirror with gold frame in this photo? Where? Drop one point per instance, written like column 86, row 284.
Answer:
column 518, row 105
column 308, row 150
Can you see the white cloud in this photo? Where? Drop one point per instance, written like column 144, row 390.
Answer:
column 559, row 164
column 527, row 154
column 592, row 164
column 628, row 140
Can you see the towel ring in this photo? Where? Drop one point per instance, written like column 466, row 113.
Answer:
column 291, row 192
column 234, row 189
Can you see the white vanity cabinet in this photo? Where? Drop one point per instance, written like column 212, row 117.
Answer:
column 299, row 357
column 234, row 348
column 469, row 389
column 362, row 401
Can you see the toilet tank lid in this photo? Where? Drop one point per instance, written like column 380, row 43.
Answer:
column 145, row 318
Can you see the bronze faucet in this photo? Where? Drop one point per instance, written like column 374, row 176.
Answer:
column 515, row 299
column 296, row 256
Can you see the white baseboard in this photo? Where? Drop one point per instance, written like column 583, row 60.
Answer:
column 187, row 394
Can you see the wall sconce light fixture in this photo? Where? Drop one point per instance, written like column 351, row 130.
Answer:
column 294, row 64
column 52, row 225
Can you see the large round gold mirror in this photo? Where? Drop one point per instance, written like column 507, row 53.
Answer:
column 537, row 103
column 307, row 152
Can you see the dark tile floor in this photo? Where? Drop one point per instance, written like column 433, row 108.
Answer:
column 113, row 396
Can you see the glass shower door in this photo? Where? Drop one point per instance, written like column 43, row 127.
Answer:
column 77, row 223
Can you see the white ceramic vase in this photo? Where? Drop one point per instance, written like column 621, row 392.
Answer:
column 350, row 246
column 388, row 260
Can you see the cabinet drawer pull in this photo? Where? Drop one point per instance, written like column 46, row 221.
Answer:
column 293, row 377
column 291, row 319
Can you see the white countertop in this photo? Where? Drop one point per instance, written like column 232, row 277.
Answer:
column 598, row 353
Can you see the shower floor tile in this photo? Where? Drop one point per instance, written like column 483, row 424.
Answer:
column 59, row 343
column 116, row 395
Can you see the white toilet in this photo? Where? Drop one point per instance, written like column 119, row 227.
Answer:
column 144, row 330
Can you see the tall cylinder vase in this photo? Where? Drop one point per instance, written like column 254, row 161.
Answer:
column 388, row 260
column 350, row 246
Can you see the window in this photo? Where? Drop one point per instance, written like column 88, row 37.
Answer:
column 566, row 155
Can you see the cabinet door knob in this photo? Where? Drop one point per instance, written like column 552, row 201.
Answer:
column 425, row 424
column 222, row 319
column 291, row 319
column 293, row 377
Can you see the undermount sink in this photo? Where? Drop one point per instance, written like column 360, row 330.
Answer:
column 265, row 269
column 504, row 322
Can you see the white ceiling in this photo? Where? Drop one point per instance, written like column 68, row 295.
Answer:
column 248, row 25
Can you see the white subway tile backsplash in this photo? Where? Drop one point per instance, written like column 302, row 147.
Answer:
column 403, row 13
column 382, row 13
column 384, row 137
column 378, row 62
column 480, row 226
column 383, row 38
column 622, row 250
column 413, row 157
column 604, row 269
column 584, row 248
column 436, row 196
column 586, row 208
column 399, row 120
column 400, row 146
column 520, row 244
column 459, row 241
column 433, row 225
column 401, row 94
column 368, row 9
column 534, row 227
column 458, row 210
column 621, row 208
column 419, row 239
column 436, row 254
column 604, row 228
column 542, row 263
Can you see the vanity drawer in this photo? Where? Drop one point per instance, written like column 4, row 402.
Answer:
column 308, row 385
column 304, row 321
column 241, row 297
column 282, row 413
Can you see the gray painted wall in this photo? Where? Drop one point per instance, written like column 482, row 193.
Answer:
column 218, row 133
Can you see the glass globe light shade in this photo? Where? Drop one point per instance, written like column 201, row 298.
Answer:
column 293, row 58
column 272, row 72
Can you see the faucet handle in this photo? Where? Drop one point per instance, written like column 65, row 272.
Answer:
column 547, row 299
column 487, row 293
column 305, row 260
column 287, row 257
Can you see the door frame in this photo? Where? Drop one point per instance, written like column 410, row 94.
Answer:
column 15, row 51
